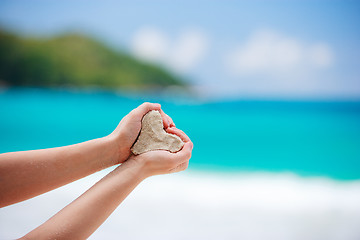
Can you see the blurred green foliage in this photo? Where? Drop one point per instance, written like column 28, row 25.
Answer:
column 74, row 60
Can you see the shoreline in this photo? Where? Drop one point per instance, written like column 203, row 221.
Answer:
column 174, row 93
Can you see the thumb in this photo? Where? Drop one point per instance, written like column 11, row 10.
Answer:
column 144, row 108
column 185, row 152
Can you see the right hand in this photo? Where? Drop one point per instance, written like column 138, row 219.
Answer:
column 163, row 162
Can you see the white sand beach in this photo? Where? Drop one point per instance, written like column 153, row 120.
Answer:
column 200, row 205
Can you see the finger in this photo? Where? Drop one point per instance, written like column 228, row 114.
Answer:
column 179, row 133
column 146, row 107
column 185, row 153
column 181, row 167
column 166, row 121
column 172, row 124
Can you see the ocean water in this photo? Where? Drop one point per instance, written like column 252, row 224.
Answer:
column 260, row 170
column 307, row 138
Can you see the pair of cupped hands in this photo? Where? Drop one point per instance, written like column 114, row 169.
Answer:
column 152, row 162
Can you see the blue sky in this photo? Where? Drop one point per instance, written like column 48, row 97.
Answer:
column 234, row 49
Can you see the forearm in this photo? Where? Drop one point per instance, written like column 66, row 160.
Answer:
column 26, row 174
column 82, row 217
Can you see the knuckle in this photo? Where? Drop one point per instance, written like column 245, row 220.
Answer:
column 188, row 155
column 184, row 166
column 146, row 104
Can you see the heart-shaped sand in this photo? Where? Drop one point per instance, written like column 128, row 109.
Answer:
column 153, row 136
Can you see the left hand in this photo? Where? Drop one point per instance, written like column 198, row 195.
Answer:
column 129, row 128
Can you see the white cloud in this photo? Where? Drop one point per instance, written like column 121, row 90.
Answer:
column 181, row 54
column 150, row 44
column 321, row 55
column 270, row 52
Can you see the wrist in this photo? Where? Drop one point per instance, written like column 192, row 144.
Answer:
column 136, row 168
column 119, row 142
column 112, row 148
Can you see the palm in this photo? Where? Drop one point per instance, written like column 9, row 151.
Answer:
column 158, row 161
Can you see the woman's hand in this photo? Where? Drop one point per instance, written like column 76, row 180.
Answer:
column 161, row 161
column 129, row 128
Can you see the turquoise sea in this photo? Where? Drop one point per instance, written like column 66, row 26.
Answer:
column 260, row 169
column 307, row 138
